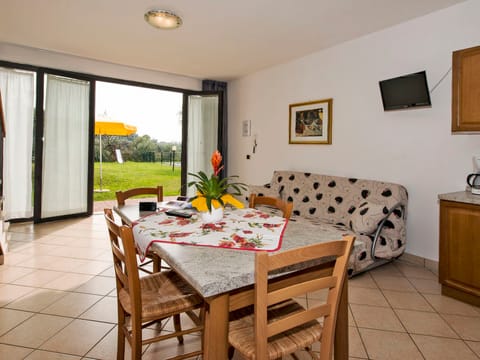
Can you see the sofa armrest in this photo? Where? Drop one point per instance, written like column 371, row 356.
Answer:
column 381, row 225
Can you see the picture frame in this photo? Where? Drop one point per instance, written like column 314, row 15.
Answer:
column 310, row 122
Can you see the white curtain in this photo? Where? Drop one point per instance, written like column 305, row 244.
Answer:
column 202, row 135
column 17, row 89
column 65, row 147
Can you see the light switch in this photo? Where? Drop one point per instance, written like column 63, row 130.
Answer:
column 246, row 128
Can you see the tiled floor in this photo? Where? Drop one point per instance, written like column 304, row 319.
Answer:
column 57, row 301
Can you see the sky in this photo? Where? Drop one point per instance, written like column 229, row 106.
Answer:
column 156, row 113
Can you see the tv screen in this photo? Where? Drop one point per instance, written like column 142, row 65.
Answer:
column 405, row 91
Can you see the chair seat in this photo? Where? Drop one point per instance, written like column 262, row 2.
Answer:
column 164, row 293
column 242, row 335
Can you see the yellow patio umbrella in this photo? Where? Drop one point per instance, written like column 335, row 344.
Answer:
column 111, row 128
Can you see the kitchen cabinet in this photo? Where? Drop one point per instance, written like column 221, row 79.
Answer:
column 466, row 90
column 459, row 265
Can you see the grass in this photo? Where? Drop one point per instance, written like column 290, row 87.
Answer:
column 135, row 174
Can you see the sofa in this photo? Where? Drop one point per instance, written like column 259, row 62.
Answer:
column 374, row 211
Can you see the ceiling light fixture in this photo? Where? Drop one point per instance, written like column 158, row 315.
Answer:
column 163, row 19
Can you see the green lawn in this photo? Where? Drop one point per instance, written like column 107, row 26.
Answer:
column 135, row 174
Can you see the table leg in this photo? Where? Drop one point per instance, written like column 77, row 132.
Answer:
column 341, row 329
column 215, row 338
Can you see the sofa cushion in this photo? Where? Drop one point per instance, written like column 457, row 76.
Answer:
column 366, row 217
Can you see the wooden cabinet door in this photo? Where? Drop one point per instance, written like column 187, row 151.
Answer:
column 466, row 90
column 459, row 268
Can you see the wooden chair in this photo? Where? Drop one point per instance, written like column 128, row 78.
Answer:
column 155, row 260
column 124, row 195
column 144, row 301
column 285, row 206
column 279, row 325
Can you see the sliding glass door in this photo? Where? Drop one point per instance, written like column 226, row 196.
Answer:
column 202, row 134
column 64, row 149
column 17, row 88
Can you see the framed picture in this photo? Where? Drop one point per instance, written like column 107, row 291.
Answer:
column 311, row 122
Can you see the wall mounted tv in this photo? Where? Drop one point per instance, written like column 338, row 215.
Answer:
column 406, row 91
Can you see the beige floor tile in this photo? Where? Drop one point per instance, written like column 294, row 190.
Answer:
column 413, row 271
column 467, row 327
column 55, row 240
column 318, row 295
column 407, row 300
column 37, row 300
column 13, row 352
column 9, row 293
column 11, row 318
column 389, row 345
column 43, row 262
column 393, row 283
column 38, row 278
column 426, row 286
column 72, row 305
column 69, row 281
column 35, row 331
column 448, row 305
column 436, row 348
column 103, row 310
column 375, row 317
column 47, row 355
column 366, row 297
column 351, row 319
column 425, row 323
column 36, row 249
column 362, row 280
column 93, row 267
column 108, row 272
column 386, row 270
column 106, row 255
column 77, row 252
column 9, row 274
column 16, row 259
column 99, row 285
column 106, row 349
column 68, row 340
column 355, row 344
column 475, row 346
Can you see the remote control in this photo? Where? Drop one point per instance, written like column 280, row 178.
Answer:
column 178, row 213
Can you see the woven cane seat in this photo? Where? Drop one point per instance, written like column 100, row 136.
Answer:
column 242, row 336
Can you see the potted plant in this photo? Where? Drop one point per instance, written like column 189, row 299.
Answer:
column 214, row 192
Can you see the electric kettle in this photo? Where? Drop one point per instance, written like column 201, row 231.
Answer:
column 473, row 180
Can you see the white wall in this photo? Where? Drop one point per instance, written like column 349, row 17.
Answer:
column 38, row 57
column 411, row 147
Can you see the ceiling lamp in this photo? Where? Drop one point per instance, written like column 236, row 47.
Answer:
column 163, row 19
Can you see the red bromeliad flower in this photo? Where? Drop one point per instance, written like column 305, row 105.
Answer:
column 216, row 161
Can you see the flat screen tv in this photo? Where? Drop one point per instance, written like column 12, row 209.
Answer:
column 406, row 91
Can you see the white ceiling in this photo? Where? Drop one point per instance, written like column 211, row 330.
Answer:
column 219, row 39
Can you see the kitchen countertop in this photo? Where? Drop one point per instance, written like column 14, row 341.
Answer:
column 461, row 196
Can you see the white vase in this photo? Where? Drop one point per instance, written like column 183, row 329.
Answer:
column 212, row 216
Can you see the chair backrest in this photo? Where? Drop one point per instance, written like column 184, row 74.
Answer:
column 125, row 264
column 123, row 195
column 285, row 206
column 269, row 292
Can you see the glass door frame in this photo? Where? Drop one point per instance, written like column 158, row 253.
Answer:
column 220, row 140
column 38, row 143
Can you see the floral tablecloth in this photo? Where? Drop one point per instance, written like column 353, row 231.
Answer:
column 242, row 229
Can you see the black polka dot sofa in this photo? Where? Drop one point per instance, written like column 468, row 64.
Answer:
column 374, row 211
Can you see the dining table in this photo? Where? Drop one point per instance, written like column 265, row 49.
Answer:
column 224, row 277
